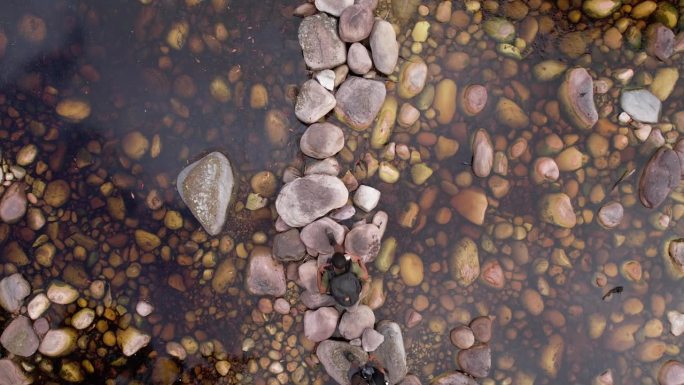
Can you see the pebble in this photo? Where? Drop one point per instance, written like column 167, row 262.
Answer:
column 359, row 101
column 659, row 41
column 287, row 246
column 265, row 276
column 462, row 337
column 144, row 308
column 411, row 269
column 576, row 95
column 356, row 23
column 473, row 99
column 472, row 204
column 483, row 154
column 464, row 262
column 315, row 236
column 371, row 339
column 444, row 102
column 61, row 293
column 358, row 59
column 11, row 373
column 412, row 77
column 206, row 188
column 610, row 215
column 313, row 102
column 641, row 105
column 482, row 328
column 384, row 46
column 476, row 360
column 363, row 241
column 556, row 209
column 73, row 110
column 83, row 318
column 37, row 306
column 676, row 320
column 135, row 145
column 322, row 140
column 13, row 203
column 174, row 349
column 333, row 7
column 281, row 306
column 366, row 198
column 453, row 378
column 57, row 193
column 671, row 373
column 326, row 78
column 533, row 302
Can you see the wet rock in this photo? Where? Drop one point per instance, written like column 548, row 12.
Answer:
column 599, row 9
column 473, row 99
column 223, row 278
column 576, row 95
column 37, row 306
column 482, row 328
column 411, row 269
column 333, row 7
column 314, row 299
column 499, row 29
column 366, row 198
column 319, row 325
column 288, row 246
column 610, row 215
column 165, row 371
column 356, row 23
column 412, row 77
column 363, row 241
column 58, row 342
column 306, row 199
column 483, row 154
column 548, row 70
column 384, row 46
column 444, row 101
column 453, row 378
column 358, row 59
column 676, row 320
column 13, row 290
column 464, row 262
column 61, row 293
column 73, row 110
column 371, row 339
column 326, row 78
column 83, row 318
column 661, row 174
column 206, row 187
column 320, row 44
column 355, row 320
column 322, row 140
column 462, row 337
column 359, row 101
column 391, row 354
column 315, row 236
column 471, row 203
column 337, row 358
column 476, row 361
column 265, row 275
column 556, row 209
column 327, row 166
column 659, row 41
column 671, row 373
column 57, row 193
column 13, row 203
column 511, row 115
column 313, row 102
column 545, row 169
column 11, row 374
column 551, row 356
column 307, row 274
column 641, row 105
column 130, row 340
column 19, row 338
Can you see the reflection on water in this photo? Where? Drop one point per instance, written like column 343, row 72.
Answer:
column 103, row 103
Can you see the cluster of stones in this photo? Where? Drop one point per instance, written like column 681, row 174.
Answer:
column 29, row 331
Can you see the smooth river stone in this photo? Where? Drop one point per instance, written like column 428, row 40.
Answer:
column 464, row 262
column 358, row 59
column 333, row 7
column 476, row 361
column 356, row 23
column 313, row 102
column 315, row 236
column 206, row 187
column 661, row 174
column 453, row 378
column 13, row 203
column 288, row 247
column 659, row 41
column 556, row 209
column 306, row 199
column 355, row 320
column 13, row 290
column 265, row 275
column 384, row 46
column 320, row 44
column 337, row 357
column 576, row 95
column 322, row 140
column 319, row 325
column 391, row 353
column 19, row 338
column 641, row 105
column 11, row 374
column 671, row 373
column 359, row 101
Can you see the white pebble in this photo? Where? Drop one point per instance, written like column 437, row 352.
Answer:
column 676, row 322
column 143, row 308
column 366, row 198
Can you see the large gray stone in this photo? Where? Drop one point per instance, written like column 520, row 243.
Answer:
column 358, row 101
column 315, row 236
column 384, row 46
column 13, row 290
column 313, row 102
column 19, row 338
column 576, row 95
column 337, row 358
column 265, row 275
column 391, row 354
column 13, row 203
column 318, row 38
column 356, row 23
column 641, row 105
column 206, row 187
column 322, row 140
column 306, row 199
column 288, row 246
column 11, row 374
column 355, row 320
column 319, row 325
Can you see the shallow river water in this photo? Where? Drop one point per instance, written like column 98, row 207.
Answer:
column 84, row 83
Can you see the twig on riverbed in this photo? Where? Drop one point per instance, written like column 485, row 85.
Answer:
column 624, row 176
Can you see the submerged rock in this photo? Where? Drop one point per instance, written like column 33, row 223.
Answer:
column 306, row 199
column 322, row 140
column 11, row 374
column 556, row 209
column 464, row 262
column 371, row 339
column 320, row 44
column 472, row 204
column 661, row 174
column 13, row 290
column 384, row 46
column 641, row 105
column 453, row 378
column 483, row 154
column 671, row 373
column 576, row 95
column 333, row 7
column 476, row 361
column 499, row 29
column 356, row 23
column 363, row 241
column 319, row 325
column 337, row 357
column 359, row 101
column 313, row 102
column 315, row 236
column 130, row 340
column 391, row 354
column 659, row 41
column 288, row 246
column 206, row 187
column 58, row 342
column 412, row 77
column 599, row 9
column 358, row 59
column 610, row 215
column 19, row 338
column 265, row 275
column 13, row 203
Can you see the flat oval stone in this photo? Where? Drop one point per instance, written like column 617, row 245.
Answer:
column 391, row 353
column 306, row 199
column 661, row 174
column 19, row 338
column 384, row 46
column 313, row 102
column 356, row 23
column 359, row 101
column 576, row 95
column 322, row 140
